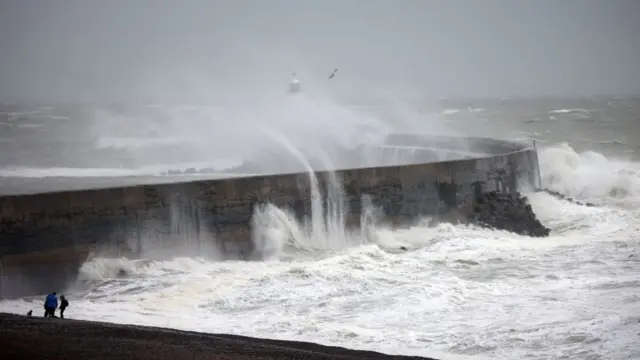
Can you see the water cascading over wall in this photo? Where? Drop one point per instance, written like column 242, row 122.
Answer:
column 41, row 232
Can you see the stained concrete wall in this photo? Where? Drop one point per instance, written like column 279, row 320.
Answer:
column 39, row 230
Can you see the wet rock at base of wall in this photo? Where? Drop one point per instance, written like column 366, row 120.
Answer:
column 507, row 212
column 560, row 196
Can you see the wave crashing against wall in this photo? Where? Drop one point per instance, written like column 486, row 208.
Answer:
column 242, row 217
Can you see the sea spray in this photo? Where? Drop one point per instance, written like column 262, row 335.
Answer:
column 590, row 176
column 318, row 226
column 274, row 229
column 370, row 218
column 202, row 134
column 336, row 204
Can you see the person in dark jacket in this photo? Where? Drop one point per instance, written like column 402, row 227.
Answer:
column 50, row 305
column 63, row 305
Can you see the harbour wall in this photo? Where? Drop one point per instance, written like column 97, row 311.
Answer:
column 44, row 238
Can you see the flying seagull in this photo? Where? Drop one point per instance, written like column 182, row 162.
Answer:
column 333, row 73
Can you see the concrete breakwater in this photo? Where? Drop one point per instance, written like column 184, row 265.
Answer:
column 45, row 237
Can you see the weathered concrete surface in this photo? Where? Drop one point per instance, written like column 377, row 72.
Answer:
column 34, row 228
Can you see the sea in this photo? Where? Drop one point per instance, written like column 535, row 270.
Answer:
column 459, row 292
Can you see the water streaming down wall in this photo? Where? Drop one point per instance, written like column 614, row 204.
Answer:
column 213, row 218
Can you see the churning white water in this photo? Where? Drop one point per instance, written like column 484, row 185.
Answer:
column 456, row 292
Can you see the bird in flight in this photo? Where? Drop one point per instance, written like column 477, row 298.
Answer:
column 333, row 73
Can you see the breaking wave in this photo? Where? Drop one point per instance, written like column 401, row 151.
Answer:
column 590, row 176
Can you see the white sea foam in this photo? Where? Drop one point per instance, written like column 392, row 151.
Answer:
column 450, row 111
column 567, row 111
column 590, row 176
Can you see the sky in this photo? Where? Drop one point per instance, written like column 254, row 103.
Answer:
column 157, row 50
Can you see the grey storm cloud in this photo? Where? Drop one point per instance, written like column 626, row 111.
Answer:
column 91, row 50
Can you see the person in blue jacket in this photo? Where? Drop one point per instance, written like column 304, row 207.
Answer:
column 50, row 305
